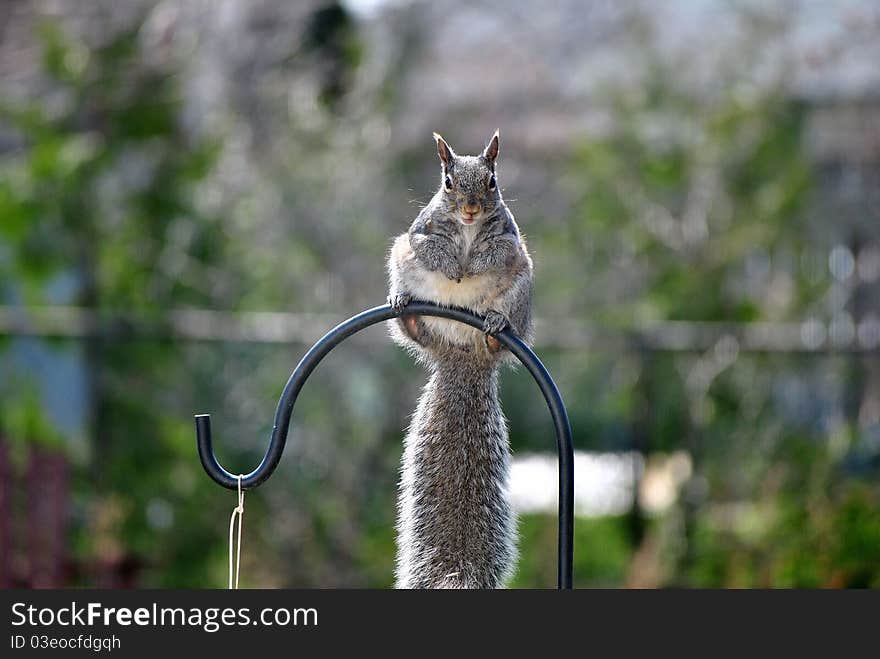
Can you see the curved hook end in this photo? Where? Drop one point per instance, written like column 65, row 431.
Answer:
column 205, row 447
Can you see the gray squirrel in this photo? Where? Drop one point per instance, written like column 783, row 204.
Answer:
column 455, row 525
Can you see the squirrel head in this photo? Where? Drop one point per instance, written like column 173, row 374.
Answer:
column 468, row 186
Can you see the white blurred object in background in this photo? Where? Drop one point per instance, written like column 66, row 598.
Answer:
column 604, row 482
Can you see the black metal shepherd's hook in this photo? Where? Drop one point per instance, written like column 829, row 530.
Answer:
column 376, row 315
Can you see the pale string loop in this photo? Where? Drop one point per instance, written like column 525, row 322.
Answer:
column 237, row 511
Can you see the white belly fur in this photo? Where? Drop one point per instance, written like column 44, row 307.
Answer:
column 470, row 293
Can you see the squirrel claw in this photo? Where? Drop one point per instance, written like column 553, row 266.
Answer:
column 399, row 301
column 454, row 272
column 495, row 322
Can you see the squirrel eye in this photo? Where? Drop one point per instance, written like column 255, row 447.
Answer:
column 492, row 183
column 447, row 182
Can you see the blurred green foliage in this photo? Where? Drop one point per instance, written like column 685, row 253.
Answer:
column 601, row 560
column 101, row 191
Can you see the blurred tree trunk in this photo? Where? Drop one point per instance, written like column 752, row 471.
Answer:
column 48, row 496
column 34, row 513
column 862, row 395
column 641, row 436
column 5, row 516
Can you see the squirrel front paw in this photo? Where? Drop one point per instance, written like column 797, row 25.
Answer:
column 495, row 322
column 399, row 301
column 453, row 270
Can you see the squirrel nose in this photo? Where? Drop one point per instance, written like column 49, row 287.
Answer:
column 471, row 208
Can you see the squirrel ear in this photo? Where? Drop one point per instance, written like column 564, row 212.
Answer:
column 490, row 153
column 444, row 150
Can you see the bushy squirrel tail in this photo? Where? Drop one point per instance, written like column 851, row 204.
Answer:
column 455, row 524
